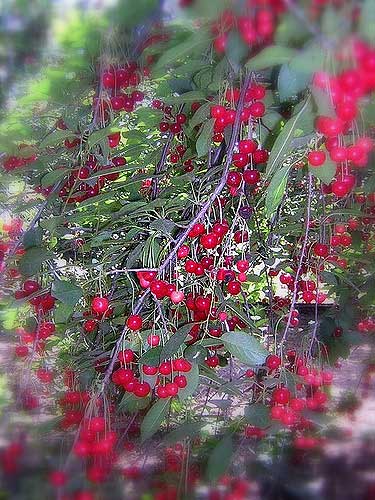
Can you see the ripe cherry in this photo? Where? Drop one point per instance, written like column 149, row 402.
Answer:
column 281, row 395
column 234, row 287
column 126, row 356
column 273, row 362
column 180, row 381
column 257, row 109
column 89, row 325
column 316, row 158
column 234, row 179
column 251, row 176
column 177, row 297
column 142, row 389
column 134, row 322
column 183, row 252
column 163, row 126
column 153, row 340
column 321, row 250
column 217, row 111
column 100, row 304
column 209, row 240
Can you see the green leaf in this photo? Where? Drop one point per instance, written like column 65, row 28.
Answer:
column 174, row 342
column 302, row 120
column 367, row 21
column 323, row 102
column 291, row 82
column 192, row 96
column 271, row 56
column 62, row 313
column 68, row 293
column 200, row 115
column 258, row 415
column 101, row 134
column 56, row 137
column 245, row 348
column 52, row 177
column 276, row 189
column 290, row 31
column 325, row 172
column 184, row 431
column 205, row 137
column 309, row 59
column 31, row 261
column 219, row 459
column 192, row 378
column 164, row 226
column 151, row 357
column 154, row 418
column 236, row 50
column 196, row 41
column 32, row 238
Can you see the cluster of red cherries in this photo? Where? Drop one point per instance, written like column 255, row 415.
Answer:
column 256, row 27
column 11, row 163
column 346, row 90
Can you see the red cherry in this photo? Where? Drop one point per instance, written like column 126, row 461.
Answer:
column 180, row 381
column 31, row 286
column 234, row 179
column 162, row 392
column 242, row 265
column 21, row 351
column 217, row 111
column 321, row 250
column 114, row 139
column 257, row 109
column 57, row 478
column 175, row 128
column 177, row 297
column 260, row 156
column 171, row 388
column 338, row 154
column 220, row 43
column 157, row 287
column 234, row 287
column 89, row 325
column 316, row 158
column 134, row 322
column 251, row 176
column 99, row 304
column 340, row 188
column 163, row 126
column 273, row 362
column 153, row 340
column 108, row 80
column 209, row 240
column 126, row 356
column 183, row 252
column 180, row 118
column 165, row 368
column 240, row 160
column 256, row 91
column 330, row 127
column 117, row 102
column 212, row 361
column 281, row 396
column 149, row 370
column 142, row 389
